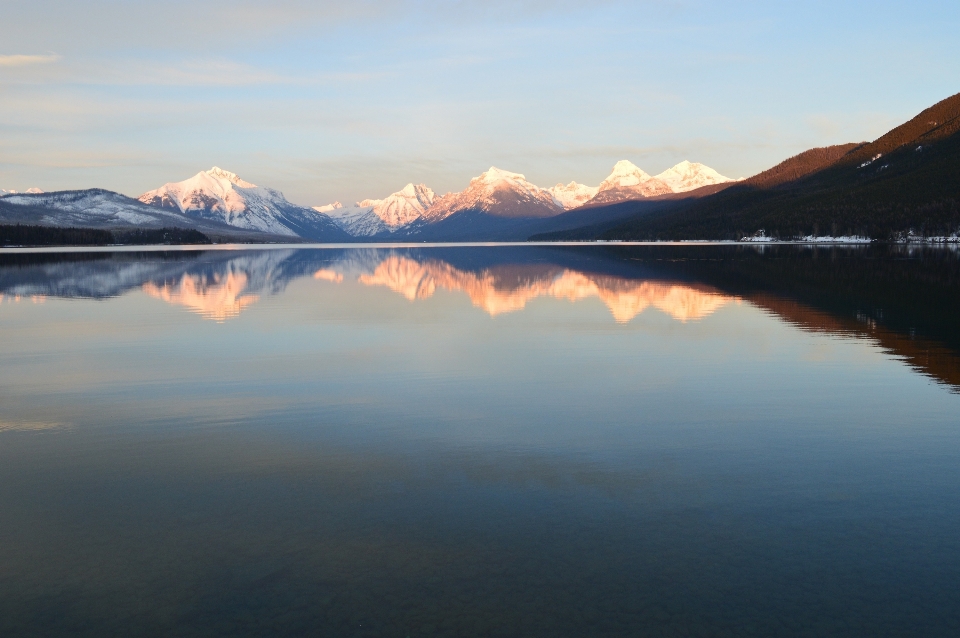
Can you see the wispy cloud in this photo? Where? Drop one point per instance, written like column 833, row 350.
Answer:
column 27, row 60
column 29, row 426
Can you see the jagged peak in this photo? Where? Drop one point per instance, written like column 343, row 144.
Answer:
column 327, row 208
column 495, row 174
column 569, row 187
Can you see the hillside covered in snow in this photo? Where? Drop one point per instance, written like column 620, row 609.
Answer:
column 221, row 196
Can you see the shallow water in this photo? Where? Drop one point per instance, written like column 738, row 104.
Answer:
column 622, row 441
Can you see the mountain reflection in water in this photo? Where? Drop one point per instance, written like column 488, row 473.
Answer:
column 219, row 299
column 497, row 292
column 444, row 441
column 902, row 299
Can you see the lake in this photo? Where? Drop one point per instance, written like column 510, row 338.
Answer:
column 481, row 441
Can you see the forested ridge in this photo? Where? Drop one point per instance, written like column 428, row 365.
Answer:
column 27, row 235
column 907, row 180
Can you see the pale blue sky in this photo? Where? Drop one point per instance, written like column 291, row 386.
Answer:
column 332, row 100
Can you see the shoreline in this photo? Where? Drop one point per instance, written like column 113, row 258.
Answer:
column 938, row 242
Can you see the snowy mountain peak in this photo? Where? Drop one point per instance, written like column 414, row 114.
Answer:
column 625, row 173
column 374, row 216
column 328, row 208
column 219, row 173
column 406, row 205
column 497, row 192
column 496, row 175
column 687, row 176
column 221, row 196
column 29, row 191
column 572, row 195
column 626, row 182
column 410, row 190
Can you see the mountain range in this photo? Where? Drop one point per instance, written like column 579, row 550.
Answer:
column 496, row 205
column 502, row 205
column 905, row 181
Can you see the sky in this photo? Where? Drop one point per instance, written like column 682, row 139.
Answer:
column 344, row 101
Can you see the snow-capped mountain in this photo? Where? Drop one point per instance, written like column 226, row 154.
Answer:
column 375, row 216
column 356, row 220
column 499, row 193
column 572, row 195
column 496, row 205
column 497, row 201
column 94, row 208
column 404, row 206
column 29, row 191
column 687, row 176
column 222, row 196
column 627, row 181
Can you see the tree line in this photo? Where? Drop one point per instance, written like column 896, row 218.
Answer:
column 26, row 235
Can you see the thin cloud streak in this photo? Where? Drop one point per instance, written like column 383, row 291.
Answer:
column 28, row 60
column 218, row 25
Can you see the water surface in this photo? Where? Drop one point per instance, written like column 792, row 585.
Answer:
column 608, row 441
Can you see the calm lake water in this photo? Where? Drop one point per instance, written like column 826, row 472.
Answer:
column 515, row 441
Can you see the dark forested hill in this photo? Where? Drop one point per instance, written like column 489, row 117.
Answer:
column 908, row 179
column 21, row 235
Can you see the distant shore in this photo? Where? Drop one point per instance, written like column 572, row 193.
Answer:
column 949, row 242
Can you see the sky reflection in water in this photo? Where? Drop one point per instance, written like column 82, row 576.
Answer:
column 479, row 441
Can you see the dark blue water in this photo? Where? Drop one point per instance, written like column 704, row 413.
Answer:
column 633, row 441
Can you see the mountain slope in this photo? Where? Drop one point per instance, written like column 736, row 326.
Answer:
column 372, row 217
column 404, row 206
column 572, row 195
column 906, row 179
column 356, row 220
column 221, row 196
column 498, row 193
column 500, row 205
column 626, row 182
column 98, row 208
